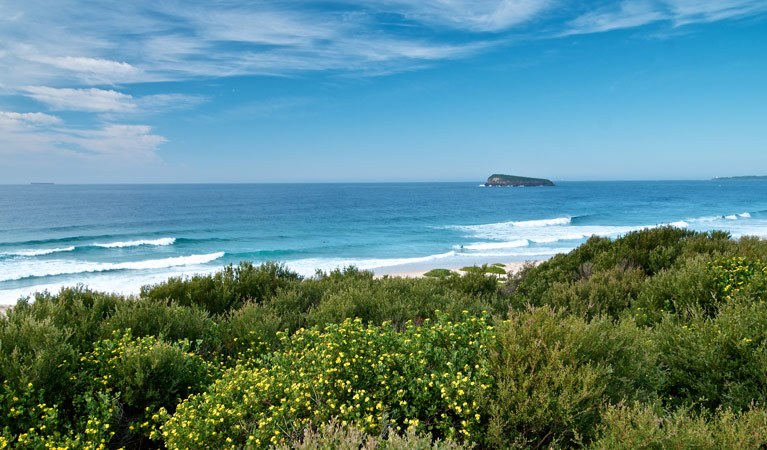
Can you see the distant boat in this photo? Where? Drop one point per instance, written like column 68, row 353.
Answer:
column 44, row 182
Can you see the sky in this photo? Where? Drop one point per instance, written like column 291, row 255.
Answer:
column 389, row 90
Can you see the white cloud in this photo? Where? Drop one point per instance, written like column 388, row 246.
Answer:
column 123, row 141
column 40, row 134
column 90, row 100
column 690, row 11
column 91, row 70
column 70, row 44
column 108, row 101
column 628, row 14
column 477, row 15
column 28, row 118
column 635, row 13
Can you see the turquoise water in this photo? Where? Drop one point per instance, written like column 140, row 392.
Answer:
column 119, row 237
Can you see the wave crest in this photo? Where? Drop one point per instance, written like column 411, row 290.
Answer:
column 36, row 269
column 161, row 241
column 38, row 252
column 495, row 245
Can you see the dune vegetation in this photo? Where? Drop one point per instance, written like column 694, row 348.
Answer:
column 654, row 340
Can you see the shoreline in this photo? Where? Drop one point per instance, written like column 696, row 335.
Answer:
column 511, row 268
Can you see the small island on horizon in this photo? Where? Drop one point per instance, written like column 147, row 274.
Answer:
column 513, row 180
column 742, row 178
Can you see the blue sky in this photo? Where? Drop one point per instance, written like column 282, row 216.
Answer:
column 388, row 90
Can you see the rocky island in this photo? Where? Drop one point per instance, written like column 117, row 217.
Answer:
column 512, row 180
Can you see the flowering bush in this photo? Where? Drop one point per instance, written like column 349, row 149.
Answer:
column 426, row 377
column 736, row 274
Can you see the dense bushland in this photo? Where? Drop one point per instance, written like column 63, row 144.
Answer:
column 654, row 340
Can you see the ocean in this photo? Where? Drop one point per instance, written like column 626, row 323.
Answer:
column 119, row 237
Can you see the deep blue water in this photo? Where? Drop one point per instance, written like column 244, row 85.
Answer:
column 119, row 237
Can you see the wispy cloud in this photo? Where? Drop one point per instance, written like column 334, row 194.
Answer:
column 635, row 13
column 14, row 118
column 69, row 44
column 477, row 16
column 70, row 55
column 89, row 100
column 116, row 140
column 628, row 14
column 39, row 134
column 107, row 101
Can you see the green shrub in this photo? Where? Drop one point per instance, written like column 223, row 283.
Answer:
column 169, row 322
column 495, row 270
column 45, row 399
column 225, row 290
column 400, row 300
column 76, row 309
column 637, row 426
column 735, row 275
column 147, row 375
column 44, row 426
column 546, row 394
column 716, row 361
column 485, row 269
column 426, row 377
column 334, row 436
column 605, row 292
column 293, row 303
column 35, row 353
column 438, row 273
column 627, row 351
column 474, row 283
column 684, row 290
column 250, row 331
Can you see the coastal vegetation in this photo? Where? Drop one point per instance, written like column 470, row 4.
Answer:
column 657, row 339
column 438, row 273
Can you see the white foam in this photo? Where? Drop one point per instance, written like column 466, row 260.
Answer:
column 308, row 266
column 547, row 233
column 521, row 252
column 119, row 282
column 161, row 241
column 680, row 224
column 495, row 245
column 731, row 217
column 38, row 252
column 745, row 215
column 543, row 222
column 705, row 219
column 21, row 270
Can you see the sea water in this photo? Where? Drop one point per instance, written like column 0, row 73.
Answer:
column 119, row 237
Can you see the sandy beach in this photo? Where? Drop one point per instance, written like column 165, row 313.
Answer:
column 510, row 267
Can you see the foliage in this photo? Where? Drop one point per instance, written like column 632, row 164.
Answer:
column 637, row 426
column 334, row 436
column 438, row 273
column 546, row 393
column 225, row 290
column 495, row 269
column 169, row 322
column 426, row 377
column 716, row 361
column 146, row 375
column 657, row 339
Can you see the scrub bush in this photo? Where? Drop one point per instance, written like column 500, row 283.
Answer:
column 225, row 290
column 169, row 322
column 334, row 436
column 547, row 394
column 637, row 426
column 427, row 377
